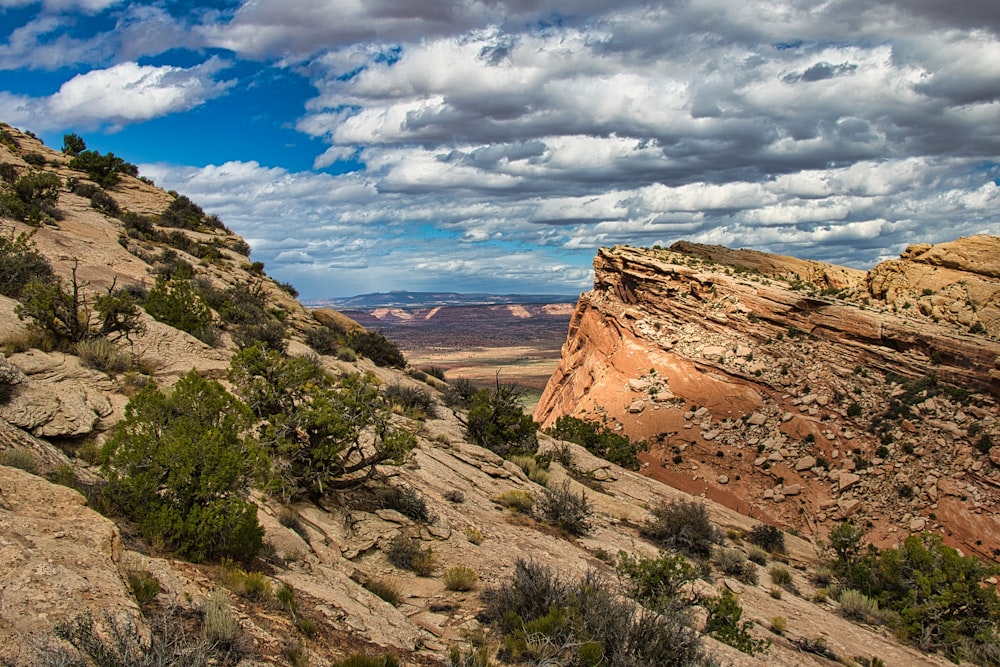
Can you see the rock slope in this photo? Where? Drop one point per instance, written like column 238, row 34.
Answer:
column 799, row 391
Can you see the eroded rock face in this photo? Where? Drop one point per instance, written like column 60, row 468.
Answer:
column 775, row 373
column 59, row 557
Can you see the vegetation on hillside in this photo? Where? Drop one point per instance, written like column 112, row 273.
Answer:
column 598, row 439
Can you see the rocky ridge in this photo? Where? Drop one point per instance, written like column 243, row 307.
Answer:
column 60, row 557
column 764, row 382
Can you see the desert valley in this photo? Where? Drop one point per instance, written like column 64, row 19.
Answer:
column 736, row 458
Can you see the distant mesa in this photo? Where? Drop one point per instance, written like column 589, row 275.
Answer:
column 405, row 299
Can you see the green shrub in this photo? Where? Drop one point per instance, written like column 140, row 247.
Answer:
column 183, row 213
column 683, row 525
column 566, row 510
column 181, row 466
column 377, row 347
column 767, row 537
column 546, row 620
column 220, row 627
column 322, row 433
column 858, row 606
column 460, row 578
column 20, row 262
column 325, row 340
column 599, row 440
column 757, row 555
column 532, row 468
column 519, row 502
column 406, row 501
column 655, row 582
column 474, row 535
column 734, row 563
column 780, row 575
column 39, row 193
column 405, row 553
column 144, row 586
column 175, row 302
column 105, row 170
column 415, row 402
column 779, row 624
column 724, row 614
column 103, row 355
column 387, row 590
column 497, row 421
column 8, row 173
column 459, row 393
column 22, row 459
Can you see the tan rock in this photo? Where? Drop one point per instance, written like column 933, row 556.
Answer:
column 805, row 463
column 846, row 480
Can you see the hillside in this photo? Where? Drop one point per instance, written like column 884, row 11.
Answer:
column 801, row 392
column 286, row 405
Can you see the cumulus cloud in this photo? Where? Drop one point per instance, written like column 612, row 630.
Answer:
column 122, row 94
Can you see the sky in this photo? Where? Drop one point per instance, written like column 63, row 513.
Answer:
column 494, row 145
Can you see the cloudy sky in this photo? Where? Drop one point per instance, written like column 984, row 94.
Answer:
column 494, row 145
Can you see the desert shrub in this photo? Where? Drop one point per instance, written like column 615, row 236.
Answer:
column 8, row 173
column 767, row 537
column 547, row 620
column 73, row 144
column 780, row 575
column 269, row 333
column 34, row 159
column 757, row 555
column 683, row 525
column 779, row 624
column 144, row 586
column 531, row 466
column 175, row 302
column 389, row 591
column 182, row 213
column 435, row 372
column 346, row 354
column 20, row 262
column 105, row 170
column 497, row 421
column 566, row 510
column 101, row 354
column 37, row 194
column 220, row 627
column 105, row 203
column 22, row 459
column 459, row 393
column 325, row 340
column 519, row 502
column 377, row 347
column 474, row 535
column 454, row 496
column 181, row 466
column 599, row 440
column 322, row 433
column 460, row 578
column 724, row 614
column 10, row 377
column 405, row 553
column 362, row 660
column 917, row 585
column 655, row 582
column 858, row 606
column 415, row 402
column 406, row 501
column 734, row 563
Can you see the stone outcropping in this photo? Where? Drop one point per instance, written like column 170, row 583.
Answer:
column 750, row 374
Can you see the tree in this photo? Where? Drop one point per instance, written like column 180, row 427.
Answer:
column 105, row 170
column 497, row 421
column 599, row 440
column 322, row 433
column 181, row 466
column 73, row 144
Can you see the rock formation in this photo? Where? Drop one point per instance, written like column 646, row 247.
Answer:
column 766, row 382
column 60, row 558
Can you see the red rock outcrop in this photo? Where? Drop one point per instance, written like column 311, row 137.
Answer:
column 798, row 390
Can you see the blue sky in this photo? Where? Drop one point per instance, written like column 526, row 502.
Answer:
column 494, row 145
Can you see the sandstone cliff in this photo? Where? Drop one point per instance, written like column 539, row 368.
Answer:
column 59, row 557
column 766, row 382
